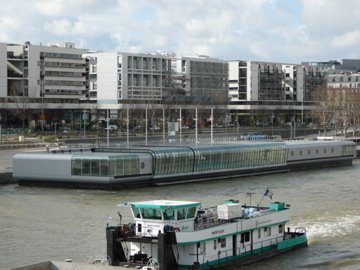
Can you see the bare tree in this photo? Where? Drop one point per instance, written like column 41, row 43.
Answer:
column 337, row 106
column 324, row 99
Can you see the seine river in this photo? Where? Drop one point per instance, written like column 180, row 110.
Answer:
column 39, row 224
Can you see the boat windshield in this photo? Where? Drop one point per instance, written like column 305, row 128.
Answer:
column 169, row 214
column 191, row 212
column 186, row 213
column 149, row 213
column 136, row 212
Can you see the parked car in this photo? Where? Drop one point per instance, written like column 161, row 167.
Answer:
column 155, row 128
column 111, row 127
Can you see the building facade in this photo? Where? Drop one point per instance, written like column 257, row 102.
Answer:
column 124, row 77
column 201, row 80
column 38, row 82
column 335, row 66
column 53, row 74
column 344, row 80
column 272, row 89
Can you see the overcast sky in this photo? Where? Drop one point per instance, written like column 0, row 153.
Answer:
column 289, row 31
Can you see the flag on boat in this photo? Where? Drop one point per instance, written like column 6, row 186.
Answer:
column 268, row 193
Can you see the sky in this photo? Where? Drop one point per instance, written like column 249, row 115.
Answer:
column 288, row 31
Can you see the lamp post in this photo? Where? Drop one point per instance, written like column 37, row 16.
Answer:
column 164, row 125
column 250, row 194
column 146, row 126
column 84, row 124
column 196, row 125
column 180, row 120
column 302, row 111
column 107, row 128
column 212, row 126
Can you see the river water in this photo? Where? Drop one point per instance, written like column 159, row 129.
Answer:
column 39, row 224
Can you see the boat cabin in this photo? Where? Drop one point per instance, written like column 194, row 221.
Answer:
column 159, row 216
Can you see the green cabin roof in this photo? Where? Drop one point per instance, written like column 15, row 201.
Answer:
column 162, row 204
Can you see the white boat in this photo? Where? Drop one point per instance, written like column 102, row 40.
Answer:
column 182, row 235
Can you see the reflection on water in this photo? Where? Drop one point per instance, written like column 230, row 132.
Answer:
column 38, row 224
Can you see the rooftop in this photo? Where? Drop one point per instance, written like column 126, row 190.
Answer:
column 161, row 204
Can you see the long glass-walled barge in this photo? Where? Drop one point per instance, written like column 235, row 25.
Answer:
column 150, row 165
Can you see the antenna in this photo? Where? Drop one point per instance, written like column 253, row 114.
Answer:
column 250, row 194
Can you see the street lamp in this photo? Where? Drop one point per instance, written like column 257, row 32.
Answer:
column 107, row 128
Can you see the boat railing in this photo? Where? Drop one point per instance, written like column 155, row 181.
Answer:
column 208, row 220
column 245, row 249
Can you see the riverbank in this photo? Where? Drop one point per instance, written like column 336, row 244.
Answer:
column 6, row 178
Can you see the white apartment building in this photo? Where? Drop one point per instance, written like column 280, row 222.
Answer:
column 276, row 88
column 121, row 77
column 259, row 81
column 55, row 73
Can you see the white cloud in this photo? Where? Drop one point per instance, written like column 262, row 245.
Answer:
column 269, row 30
column 348, row 39
column 62, row 27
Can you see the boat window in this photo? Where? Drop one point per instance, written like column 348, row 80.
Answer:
column 169, row 214
column 112, row 167
column 245, row 237
column 215, row 244
column 191, row 212
column 95, row 167
column 86, row 167
column 222, row 242
column 202, row 247
column 280, row 228
column 181, row 213
column 104, row 167
column 269, row 231
column 76, row 166
column 136, row 212
column 148, row 213
column 259, row 234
